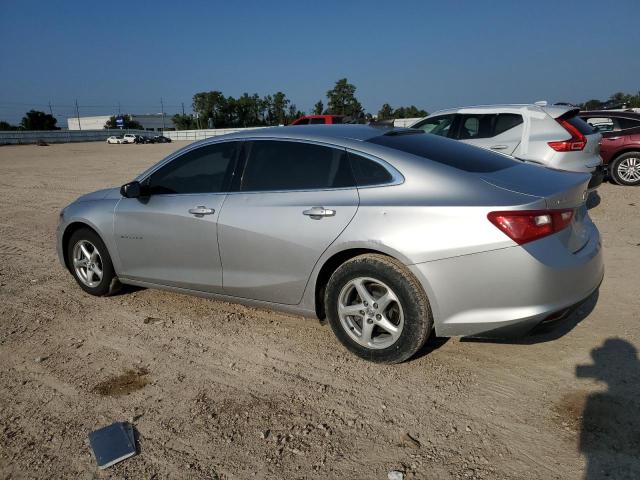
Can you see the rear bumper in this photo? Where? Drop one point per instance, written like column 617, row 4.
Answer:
column 508, row 292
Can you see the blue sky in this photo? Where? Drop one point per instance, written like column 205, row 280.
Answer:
column 430, row 54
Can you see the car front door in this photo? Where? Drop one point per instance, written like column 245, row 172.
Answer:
column 169, row 236
column 293, row 201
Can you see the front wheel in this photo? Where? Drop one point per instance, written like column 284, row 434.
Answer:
column 378, row 309
column 625, row 170
column 89, row 262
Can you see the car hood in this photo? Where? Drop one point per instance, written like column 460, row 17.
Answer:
column 105, row 193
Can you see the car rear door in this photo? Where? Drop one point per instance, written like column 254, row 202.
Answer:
column 292, row 202
column 169, row 236
column 500, row 132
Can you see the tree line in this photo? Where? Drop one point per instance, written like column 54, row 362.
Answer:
column 617, row 100
column 215, row 110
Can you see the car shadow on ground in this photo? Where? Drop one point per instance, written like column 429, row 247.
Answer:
column 548, row 332
column 610, row 420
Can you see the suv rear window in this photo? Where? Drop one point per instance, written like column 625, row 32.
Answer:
column 448, row 152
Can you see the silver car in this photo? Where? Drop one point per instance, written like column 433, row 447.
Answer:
column 553, row 136
column 391, row 234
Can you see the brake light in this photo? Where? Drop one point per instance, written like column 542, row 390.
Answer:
column 577, row 141
column 523, row 226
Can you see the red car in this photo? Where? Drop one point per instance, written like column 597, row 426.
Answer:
column 620, row 144
column 318, row 120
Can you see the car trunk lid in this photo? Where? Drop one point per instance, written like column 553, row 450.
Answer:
column 559, row 190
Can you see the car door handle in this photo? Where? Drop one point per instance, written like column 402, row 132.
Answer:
column 317, row 213
column 612, row 138
column 201, row 210
column 498, row 147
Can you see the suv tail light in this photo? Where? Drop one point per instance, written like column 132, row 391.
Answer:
column 523, row 226
column 576, row 143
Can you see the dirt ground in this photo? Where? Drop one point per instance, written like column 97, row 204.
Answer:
column 221, row 391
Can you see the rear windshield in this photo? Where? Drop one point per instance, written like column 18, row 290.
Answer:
column 448, row 152
column 582, row 126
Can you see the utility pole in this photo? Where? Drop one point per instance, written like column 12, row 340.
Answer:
column 50, row 109
column 162, row 107
column 78, row 115
column 118, row 108
column 182, row 108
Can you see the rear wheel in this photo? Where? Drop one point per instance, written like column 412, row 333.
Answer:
column 89, row 262
column 378, row 309
column 625, row 170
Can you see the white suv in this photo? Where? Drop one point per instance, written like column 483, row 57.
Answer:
column 129, row 138
column 552, row 136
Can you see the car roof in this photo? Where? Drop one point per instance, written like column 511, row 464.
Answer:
column 610, row 113
column 553, row 110
column 328, row 133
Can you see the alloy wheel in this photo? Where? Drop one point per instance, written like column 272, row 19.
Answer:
column 370, row 312
column 87, row 263
column 629, row 169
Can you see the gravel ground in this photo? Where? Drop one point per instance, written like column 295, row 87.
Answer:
column 217, row 390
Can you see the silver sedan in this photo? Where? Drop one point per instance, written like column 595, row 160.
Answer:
column 391, row 234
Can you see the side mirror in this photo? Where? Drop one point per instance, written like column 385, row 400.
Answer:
column 131, row 190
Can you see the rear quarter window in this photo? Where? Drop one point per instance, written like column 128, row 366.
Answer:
column 447, row 152
column 582, row 126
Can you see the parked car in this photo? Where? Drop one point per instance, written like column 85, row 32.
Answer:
column 620, row 144
column 130, row 138
column 319, row 119
column 161, row 139
column 552, row 136
column 388, row 233
column 114, row 139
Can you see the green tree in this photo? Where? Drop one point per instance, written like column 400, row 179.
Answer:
column 36, row 120
column 293, row 113
column 592, row 104
column 6, row 126
column 184, row 122
column 129, row 123
column 210, row 106
column 279, row 106
column 318, row 108
column 409, row 112
column 385, row 112
column 342, row 100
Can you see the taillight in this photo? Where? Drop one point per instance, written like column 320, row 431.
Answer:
column 523, row 226
column 576, row 143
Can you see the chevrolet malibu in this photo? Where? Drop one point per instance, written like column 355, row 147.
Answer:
column 389, row 234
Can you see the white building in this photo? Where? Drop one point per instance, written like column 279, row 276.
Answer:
column 152, row 123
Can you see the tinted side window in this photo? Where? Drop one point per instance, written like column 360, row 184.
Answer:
column 281, row 165
column 336, row 119
column 506, row 121
column 368, row 172
column 628, row 123
column 202, row 170
column 603, row 124
column 437, row 125
column 316, row 120
column 304, row 121
column 476, row 126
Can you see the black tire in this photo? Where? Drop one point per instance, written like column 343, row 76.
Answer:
column 413, row 302
column 621, row 161
column 103, row 262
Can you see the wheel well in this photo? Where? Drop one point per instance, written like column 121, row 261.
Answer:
column 70, row 230
column 330, row 266
column 623, row 152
